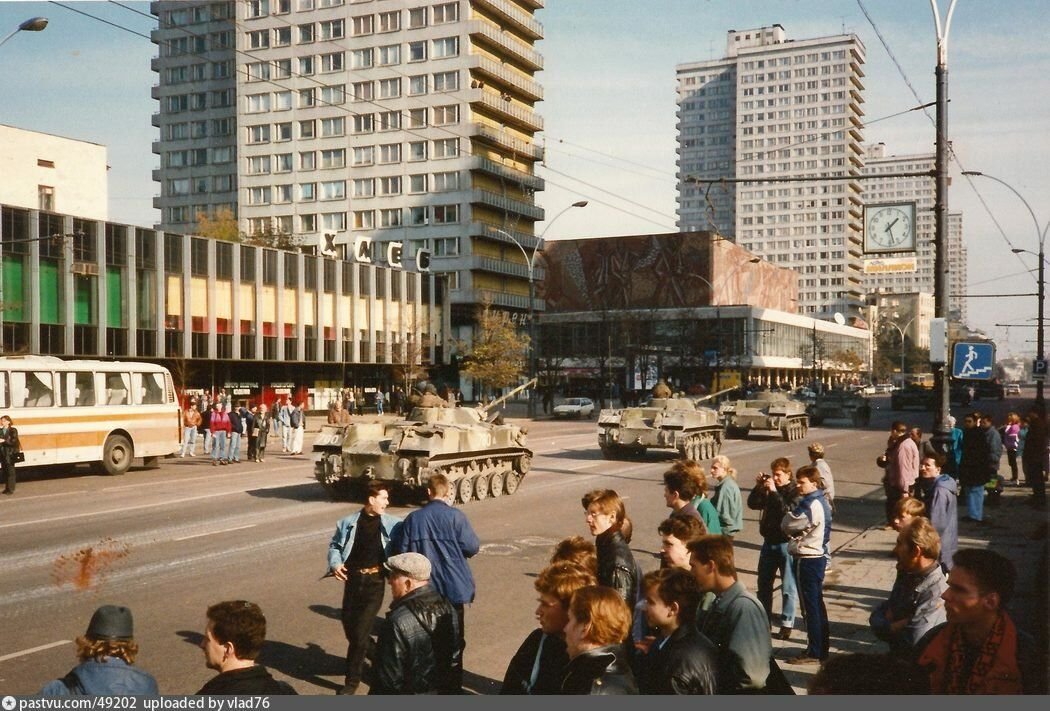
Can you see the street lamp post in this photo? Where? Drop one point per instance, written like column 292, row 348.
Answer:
column 1040, row 235
column 33, row 24
column 530, row 262
column 716, row 381
column 901, row 331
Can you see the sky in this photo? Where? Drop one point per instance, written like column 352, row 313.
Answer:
column 609, row 109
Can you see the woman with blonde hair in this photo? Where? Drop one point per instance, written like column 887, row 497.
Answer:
column 726, row 496
column 1011, row 441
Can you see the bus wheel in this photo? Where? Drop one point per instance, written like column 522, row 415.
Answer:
column 117, row 455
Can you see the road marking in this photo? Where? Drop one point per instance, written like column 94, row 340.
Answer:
column 212, row 533
column 41, row 648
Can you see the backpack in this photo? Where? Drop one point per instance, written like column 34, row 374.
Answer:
column 295, row 418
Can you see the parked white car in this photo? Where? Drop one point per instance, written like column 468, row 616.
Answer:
column 1013, row 389
column 577, row 407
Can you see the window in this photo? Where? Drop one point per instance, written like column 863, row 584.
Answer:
column 282, row 193
column 446, row 214
column 363, row 25
column 364, row 155
column 306, row 66
column 389, row 55
column 332, row 29
column 446, row 81
column 446, row 148
column 283, row 163
column 390, row 153
column 307, row 98
column 417, row 215
column 389, row 88
column 307, row 192
column 333, row 190
column 364, row 187
column 307, row 129
column 282, row 68
column 257, row 71
column 417, row 150
column 389, row 120
column 390, row 185
column 333, row 126
column 282, row 131
column 417, row 51
column 282, row 100
column 390, row 21
column 445, row 47
column 333, row 158
column 417, row 17
column 390, row 217
column 308, row 223
column 257, row 103
column 259, row 134
column 417, row 118
column 364, row 219
column 446, row 247
column 445, row 182
column 361, row 58
column 222, row 154
column 258, row 165
column 257, row 8
column 445, row 13
column 306, row 33
column 363, row 91
column 282, row 36
column 222, row 183
column 363, row 123
column 417, row 85
column 417, row 183
column 445, row 115
column 308, row 160
column 333, row 94
column 260, row 39
column 334, row 62
column 259, row 196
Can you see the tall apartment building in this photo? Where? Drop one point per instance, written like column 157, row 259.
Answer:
column 398, row 120
column 906, row 273
column 779, row 108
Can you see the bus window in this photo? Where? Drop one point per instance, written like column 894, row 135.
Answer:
column 148, row 388
column 5, row 400
column 79, row 389
column 118, row 387
column 32, row 389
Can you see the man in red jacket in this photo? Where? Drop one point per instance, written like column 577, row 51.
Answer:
column 220, row 428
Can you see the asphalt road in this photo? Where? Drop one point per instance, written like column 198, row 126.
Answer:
column 169, row 541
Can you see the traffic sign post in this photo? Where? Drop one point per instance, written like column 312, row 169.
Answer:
column 1039, row 369
column 973, row 360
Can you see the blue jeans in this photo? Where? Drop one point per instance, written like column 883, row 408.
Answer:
column 810, row 576
column 189, row 440
column 234, row 454
column 774, row 558
column 218, row 445
column 974, row 501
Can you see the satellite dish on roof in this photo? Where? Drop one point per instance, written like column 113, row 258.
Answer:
column 839, row 319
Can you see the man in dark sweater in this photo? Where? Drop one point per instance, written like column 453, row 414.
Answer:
column 356, row 554
column 232, row 641
column 774, row 495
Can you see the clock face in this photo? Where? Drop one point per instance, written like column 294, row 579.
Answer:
column 889, row 228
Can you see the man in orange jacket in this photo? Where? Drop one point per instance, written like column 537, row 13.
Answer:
column 979, row 650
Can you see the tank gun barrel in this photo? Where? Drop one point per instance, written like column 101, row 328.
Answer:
column 714, row 395
column 512, row 393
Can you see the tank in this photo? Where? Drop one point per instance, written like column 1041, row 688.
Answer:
column 481, row 456
column 668, row 423
column 841, row 405
column 765, row 410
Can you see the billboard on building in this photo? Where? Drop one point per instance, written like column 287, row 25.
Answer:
column 894, row 265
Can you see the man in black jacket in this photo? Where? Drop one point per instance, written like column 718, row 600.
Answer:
column 773, row 495
column 232, row 642
column 616, row 566
column 418, row 645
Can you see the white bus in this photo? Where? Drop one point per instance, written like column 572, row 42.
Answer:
column 73, row 411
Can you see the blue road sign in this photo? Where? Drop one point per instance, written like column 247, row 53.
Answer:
column 973, row 360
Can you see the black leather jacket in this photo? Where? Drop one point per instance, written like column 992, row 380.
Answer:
column 602, row 671
column 418, row 646
column 773, row 507
column 687, row 664
column 616, row 566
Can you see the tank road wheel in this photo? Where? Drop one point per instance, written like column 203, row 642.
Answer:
column 481, row 487
column 464, row 490
column 511, row 482
column 805, row 429
column 496, row 484
column 524, row 464
column 117, row 455
column 785, row 431
column 453, row 474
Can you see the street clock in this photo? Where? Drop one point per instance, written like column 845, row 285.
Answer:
column 889, row 227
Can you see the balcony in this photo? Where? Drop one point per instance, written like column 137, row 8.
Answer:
column 526, row 240
column 500, row 202
column 523, row 53
column 501, row 139
column 506, row 172
column 507, row 112
column 500, row 74
column 512, row 14
column 505, row 268
column 496, row 298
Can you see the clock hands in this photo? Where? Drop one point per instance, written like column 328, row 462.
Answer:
column 889, row 227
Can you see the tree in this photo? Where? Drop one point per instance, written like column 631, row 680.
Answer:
column 498, row 354
column 223, row 226
column 271, row 237
column 409, row 356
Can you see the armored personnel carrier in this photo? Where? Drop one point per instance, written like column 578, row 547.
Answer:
column 765, row 410
column 842, row 405
column 480, row 455
column 670, row 423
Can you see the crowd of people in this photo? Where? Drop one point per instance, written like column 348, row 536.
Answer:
column 224, row 430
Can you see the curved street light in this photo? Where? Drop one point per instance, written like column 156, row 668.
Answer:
column 33, row 24
column 901, row 331
column 530, row 262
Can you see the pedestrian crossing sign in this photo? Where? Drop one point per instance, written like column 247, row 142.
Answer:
column 973, row 360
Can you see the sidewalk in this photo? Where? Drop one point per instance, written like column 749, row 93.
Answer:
column 863, row 573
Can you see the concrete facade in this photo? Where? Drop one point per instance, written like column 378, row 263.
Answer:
column 53, row 173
